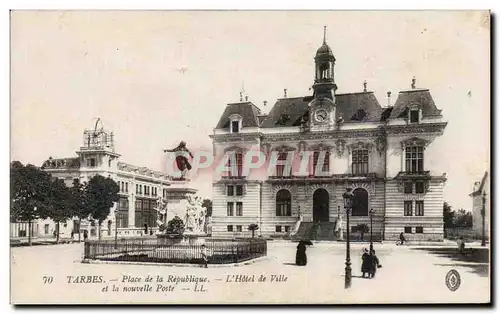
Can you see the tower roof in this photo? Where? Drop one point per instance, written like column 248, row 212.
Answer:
column 325, row 51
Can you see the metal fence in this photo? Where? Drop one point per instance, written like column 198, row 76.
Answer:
column 220, row 251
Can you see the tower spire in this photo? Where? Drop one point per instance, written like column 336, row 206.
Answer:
column 324, row 35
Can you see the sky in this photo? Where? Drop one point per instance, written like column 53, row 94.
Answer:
column 158, row 77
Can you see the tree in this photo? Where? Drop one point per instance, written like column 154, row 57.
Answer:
column 463, row 219
column 100, row 195
column 59, row 207
column 448, row 217
column 253, row 227
column 362, row 229
column 175, row 226
column 207, row 203
column 78, row 204
column 29, row 187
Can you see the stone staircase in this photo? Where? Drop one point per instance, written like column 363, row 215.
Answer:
column 324, row 231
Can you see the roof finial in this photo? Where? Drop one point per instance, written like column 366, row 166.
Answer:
column 285, row 92
column 413, row 81
column 324, row 35
column 241, row 96
column 364, row 86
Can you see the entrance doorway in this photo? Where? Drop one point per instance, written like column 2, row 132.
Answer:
column 321, row 205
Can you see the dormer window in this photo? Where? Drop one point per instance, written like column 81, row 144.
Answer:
column 414, row 116
column 235, row 126
column 414, row 113
column 235, row 123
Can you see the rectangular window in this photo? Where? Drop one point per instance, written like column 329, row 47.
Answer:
column 137, row 189
column 414, row 116
column 239, row 164
column 287, row 228
column 235, row 126
column 419, row 187
column 239, row 209
column 414, row 158
column 280, row 164
column 230, row 208
column 360, row 162
column 239, row 228
column 419, row 229
column 138, row 204
column 326, row 162
column 126, row 187
column 407, row 229
column 419, row 208
column 239, row 190
column 92, row 162
column 230, row 190
column 278, row 228
column 408, row 187
column 46, row 228
column 408, row 206
column 230, row 228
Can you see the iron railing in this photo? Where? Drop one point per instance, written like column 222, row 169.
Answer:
column 220, row 251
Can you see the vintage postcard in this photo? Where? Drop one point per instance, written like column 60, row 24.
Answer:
column 250, row 157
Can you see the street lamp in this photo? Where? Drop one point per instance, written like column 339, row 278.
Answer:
column 483, row 213
column 371, row 229
column 348, row 200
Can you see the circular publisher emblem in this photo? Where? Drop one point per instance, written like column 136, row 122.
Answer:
column 453, row 280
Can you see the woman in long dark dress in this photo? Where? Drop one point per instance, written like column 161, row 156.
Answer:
column 301, row 257
column 367, row 264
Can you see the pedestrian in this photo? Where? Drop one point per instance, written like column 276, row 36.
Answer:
column 376, row 260
column 204, row 255
column 300, row 256
column 85, row 235
column 367, row 263
column 461, row 245
column 401, row 238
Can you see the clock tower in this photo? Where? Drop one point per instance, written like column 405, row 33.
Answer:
column 322, row 107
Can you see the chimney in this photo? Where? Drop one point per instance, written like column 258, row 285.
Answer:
column 388, row 99
column 364, row 86
column 246, row 98
column 413, row 81
column 285, row 92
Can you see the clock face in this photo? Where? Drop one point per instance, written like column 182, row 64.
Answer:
column 321, row 115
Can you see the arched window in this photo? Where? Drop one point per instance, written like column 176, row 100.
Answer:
column 360, row 205
column 283, row 203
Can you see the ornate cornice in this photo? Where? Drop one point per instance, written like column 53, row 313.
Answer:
column 235, row 148
column 414, row 141
column 417, row 128
column 283, row 148
column 320, row 147
column 359, row 145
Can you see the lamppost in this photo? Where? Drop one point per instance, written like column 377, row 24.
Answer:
column 371, row 229
column 483, row 213
column 348, row 200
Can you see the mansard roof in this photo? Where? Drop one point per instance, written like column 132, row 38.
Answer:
column 352, row 107
column 420, row 97
column 247, row 110
column 362, row 106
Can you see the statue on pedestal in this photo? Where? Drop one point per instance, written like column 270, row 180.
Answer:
column 181, row 159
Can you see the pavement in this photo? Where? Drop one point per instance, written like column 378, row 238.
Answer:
column 408, row 275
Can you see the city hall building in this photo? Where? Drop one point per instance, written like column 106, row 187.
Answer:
column 381, row 152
